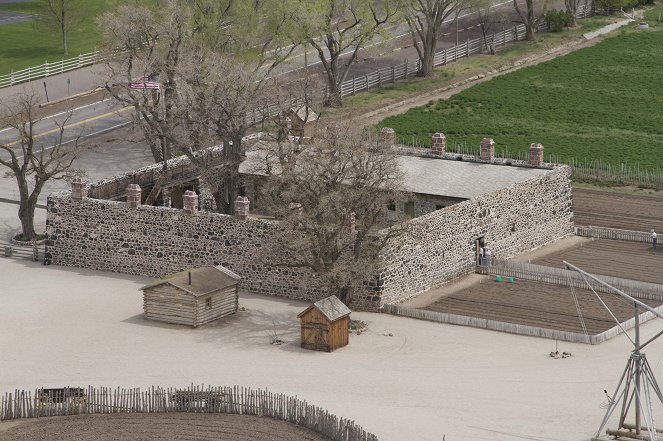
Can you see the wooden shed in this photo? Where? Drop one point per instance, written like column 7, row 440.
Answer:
column 192, row 297
column 325, row 325
column 303, row 120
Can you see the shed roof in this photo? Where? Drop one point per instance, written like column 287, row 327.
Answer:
column 305, row 113
column 331, row 307
column 460, row 179
column 203, row 280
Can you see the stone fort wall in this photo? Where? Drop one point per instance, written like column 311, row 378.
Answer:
column 154, row 241
column 439, row 246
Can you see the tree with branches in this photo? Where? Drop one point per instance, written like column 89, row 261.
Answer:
column 331, row 198
column 60, row 16
column 530, row 17
column 426, row 18
column 186, row 92
column 31, row 162
column 337, row 30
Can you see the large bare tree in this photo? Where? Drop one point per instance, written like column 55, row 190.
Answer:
column 425, row 19
column 33, row 162
column 186, row 92
column 331, row 196
column 337, row 30
column 530, row 17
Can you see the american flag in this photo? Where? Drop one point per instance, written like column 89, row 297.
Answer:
column 146, row 82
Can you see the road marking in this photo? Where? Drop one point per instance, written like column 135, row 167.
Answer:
column 77, row 123
column 62, row 113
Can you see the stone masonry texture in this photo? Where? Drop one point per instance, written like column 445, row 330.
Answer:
column 436, row 247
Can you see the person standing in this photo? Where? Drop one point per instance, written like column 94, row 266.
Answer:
column 653, row 240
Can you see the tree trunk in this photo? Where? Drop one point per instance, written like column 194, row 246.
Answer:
column 333, row 97
column 64, row 32
column 26, row 214
column 428, row 60
column 530, row 32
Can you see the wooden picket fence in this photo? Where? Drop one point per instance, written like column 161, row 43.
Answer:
column 613, row 234
column 231, row 400
column 563, row 277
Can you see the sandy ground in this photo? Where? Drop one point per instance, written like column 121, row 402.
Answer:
column 66, row 327
column 154, row 427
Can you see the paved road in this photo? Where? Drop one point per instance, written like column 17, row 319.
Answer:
column 7, row 17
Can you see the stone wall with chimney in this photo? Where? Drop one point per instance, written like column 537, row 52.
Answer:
column 152, row 241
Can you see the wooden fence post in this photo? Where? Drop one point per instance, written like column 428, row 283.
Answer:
column 366, row 79
column 353, row 85
column 467, row 48
column 405, row 70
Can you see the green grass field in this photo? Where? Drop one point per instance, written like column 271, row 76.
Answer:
column 603, row 102
column 27, row 44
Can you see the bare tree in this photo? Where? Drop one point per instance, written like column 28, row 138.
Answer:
column 487, row 18
column 187, row 95
column 572, row 7
column 337, row 29
column 61, row 16
column 31, row 162
column 331, row 197
column 529, row 17
column 425, row 19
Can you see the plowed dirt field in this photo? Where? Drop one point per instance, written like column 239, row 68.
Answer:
column 155, row 427
column 536, row 304
column 615, row 210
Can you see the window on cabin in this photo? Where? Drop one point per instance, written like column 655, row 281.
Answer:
column 208, row 303
column 391, row 206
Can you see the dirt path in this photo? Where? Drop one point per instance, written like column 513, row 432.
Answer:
column 155, row 427
column 378, row 115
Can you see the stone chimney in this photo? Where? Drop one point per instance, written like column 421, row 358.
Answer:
column 190, row 202
column 241, row 207
column 487, row 149
column 387, row 137
column 133, row 195
column 439, row 145
column 536, row 154
column 78, row 189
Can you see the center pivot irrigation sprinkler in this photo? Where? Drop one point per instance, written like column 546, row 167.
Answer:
column 637, row 385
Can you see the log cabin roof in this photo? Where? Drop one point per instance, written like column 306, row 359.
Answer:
column 203, row 280
column 331, row 307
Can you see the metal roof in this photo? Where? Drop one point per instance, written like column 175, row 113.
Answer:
column 331, row 307
column 203, row 280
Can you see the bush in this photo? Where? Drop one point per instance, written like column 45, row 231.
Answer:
column 558, row 20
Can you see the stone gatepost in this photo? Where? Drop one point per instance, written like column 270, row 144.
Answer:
column 439, row 145
column 78, row 189
column 487, row 149
column 241, row 207
column 134, row 193
column 190, row 202
column 536, row 154
column 387, row 137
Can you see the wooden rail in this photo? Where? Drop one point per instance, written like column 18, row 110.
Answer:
column 232, row 400
column 613, row 234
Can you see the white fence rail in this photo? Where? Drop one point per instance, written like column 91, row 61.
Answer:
column 48, row 69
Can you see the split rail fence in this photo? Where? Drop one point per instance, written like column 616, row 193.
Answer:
column 231, row 400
